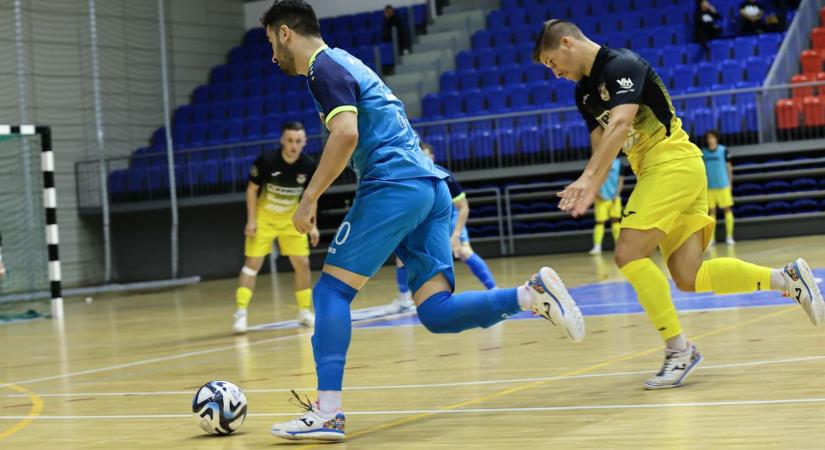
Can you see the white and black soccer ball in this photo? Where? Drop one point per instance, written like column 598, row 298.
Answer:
column 219, row 407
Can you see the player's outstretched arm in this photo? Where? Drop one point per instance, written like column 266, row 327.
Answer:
column 579, row 195
column 343, row 138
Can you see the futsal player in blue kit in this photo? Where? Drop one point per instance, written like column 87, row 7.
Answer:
column 401, row 205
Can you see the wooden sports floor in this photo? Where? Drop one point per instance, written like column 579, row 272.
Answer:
column 119, row 373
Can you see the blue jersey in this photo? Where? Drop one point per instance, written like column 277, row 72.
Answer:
column 716, row 165
column 387, row 145
column 610, row 187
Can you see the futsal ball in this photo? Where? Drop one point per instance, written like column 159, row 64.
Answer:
column 219, row 407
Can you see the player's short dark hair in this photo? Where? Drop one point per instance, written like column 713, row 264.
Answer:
column 292, row 125
column 715, row 134
column 298, row 15
column 551, row 33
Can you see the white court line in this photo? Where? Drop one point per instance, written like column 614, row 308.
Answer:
column 437, row 385
column 152, row 360
column 788, row 401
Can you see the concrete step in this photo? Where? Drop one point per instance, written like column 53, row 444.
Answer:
column 453, row 40
column 419, row 81
column 470, row 21
column 439, row 61
column 412, row 102
column 470, row 5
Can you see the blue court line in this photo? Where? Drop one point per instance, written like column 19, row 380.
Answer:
column 596, row 299
column 618, row 297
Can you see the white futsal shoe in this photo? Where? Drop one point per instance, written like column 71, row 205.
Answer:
column 306, row 318
column 551, row 300
column 676, row 368
column 596, row 250
column 729, row 241
column 802, row 288
column 239, row 327
column 311, row 425
column 402, row 303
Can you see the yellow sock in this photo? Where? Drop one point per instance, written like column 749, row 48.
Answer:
column 729, row 223
column 615, row 228
column 304, row 298
column 653, row 291
column 243, row 296
column 732, row 276
column 598, row 234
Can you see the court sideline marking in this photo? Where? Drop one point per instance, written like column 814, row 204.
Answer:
column 24, row 421
column 437, row 385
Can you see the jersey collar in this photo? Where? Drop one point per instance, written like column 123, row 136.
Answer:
column 320, row 49
column 598, row 64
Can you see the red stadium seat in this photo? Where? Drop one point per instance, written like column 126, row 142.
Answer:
column 787, row 116
column 822, row 16
column 814, row 110
column 821, row 89
column 811, row 62
column 818, row 39
column 802, row 92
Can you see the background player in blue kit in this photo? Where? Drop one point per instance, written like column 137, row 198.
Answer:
column 401, row 205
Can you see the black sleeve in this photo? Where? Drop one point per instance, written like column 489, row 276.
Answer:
column 456, row 191
column 257, row 171
column 626, row 170
column 333, row 87
column 624, row 79
column 588, row 118
column 310, row 168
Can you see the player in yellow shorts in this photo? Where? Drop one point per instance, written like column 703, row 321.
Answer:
column 720, row 178
column 627, row 107
column 608, row 206
column 276, row 181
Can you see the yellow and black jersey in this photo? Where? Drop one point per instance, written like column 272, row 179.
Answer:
column 281, row 183
column 621, row 77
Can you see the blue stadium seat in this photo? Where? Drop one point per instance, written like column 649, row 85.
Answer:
column 541, row 94
column 235, row 131
column 683, row 76
column 707, row 74
column 512, row 74
column 804, row 205
column 387, row 53
column 501, row 38
column 481, row 39
column 777, row 187
column 777, row 208
column 717, row 101
column 524, row 54
column 523, row 36
column 496, row 100
column 632, row 22
column 768, row 44
column 272, row 86
column 749, row 210
column 565, row 92
column 507, row 55
column 650, row 55
column 459, row 146
column 746, row 97
column 235, row 90
column 744, row 47
column 496, row 20
column 535, row 72
column 485, row 58
column 201, row 94
column 732, row 72
column 747, row 189
column 730, row 120
column 468, row 79
column 720, row 49
column 182, row 115
column 507, row 5
column 577, row 135
column 237, row 55
column 489, row 77
column 518, row 98
column 255, row 89
column 542, row 227
column 748, row 111
column 431, row 106
column 696, row 102
column 253, row 128
column 541, row 207
column 703, row 121
column 465, row 60
column 672, row 56
column 219, row 74
column 529, row 139
column 254, row 107
column 473, row 102
column 448, row 81
column 662, row 36
column 451, row 104
column 555, row 136
column 804, row 184
column 756, row 69
column 536, row 15
column 516, row 18
column 274, row 104
column 586, row 24
column 482, row 143
column 580, row 9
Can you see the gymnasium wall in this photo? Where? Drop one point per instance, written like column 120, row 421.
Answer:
column 56, row 40
column 324, row 8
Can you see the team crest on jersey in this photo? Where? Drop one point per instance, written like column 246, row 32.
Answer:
column 301, row 178
column 603, row 92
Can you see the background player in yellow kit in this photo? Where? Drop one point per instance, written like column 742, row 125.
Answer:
column 720, row 178
column 608, row 206
column 276, row 181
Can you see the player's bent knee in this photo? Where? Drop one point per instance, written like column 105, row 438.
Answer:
column 684, row 280
column 465, row 253
column 300, row 263
column 435, row 322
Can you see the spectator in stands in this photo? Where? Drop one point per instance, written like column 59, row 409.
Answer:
column 751, row 13
column 393, row 20
column 708, row 23
column 720, row 179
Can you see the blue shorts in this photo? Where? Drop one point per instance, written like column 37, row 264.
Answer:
column 464, row 237
column 410, row 218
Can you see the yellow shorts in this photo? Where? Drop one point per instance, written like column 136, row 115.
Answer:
column 290, row 241
column 607, row 209
column 720, row 198
column 672, row 197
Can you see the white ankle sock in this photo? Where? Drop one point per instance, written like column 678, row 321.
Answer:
column 329, row 402
column 406, row 296
column 524, row 300
column 779, row 281
column 677, row 343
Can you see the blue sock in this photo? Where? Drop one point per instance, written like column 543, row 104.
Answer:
column 446, row 313
column 333, row 330
column 401, row 279
column 481, row 271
